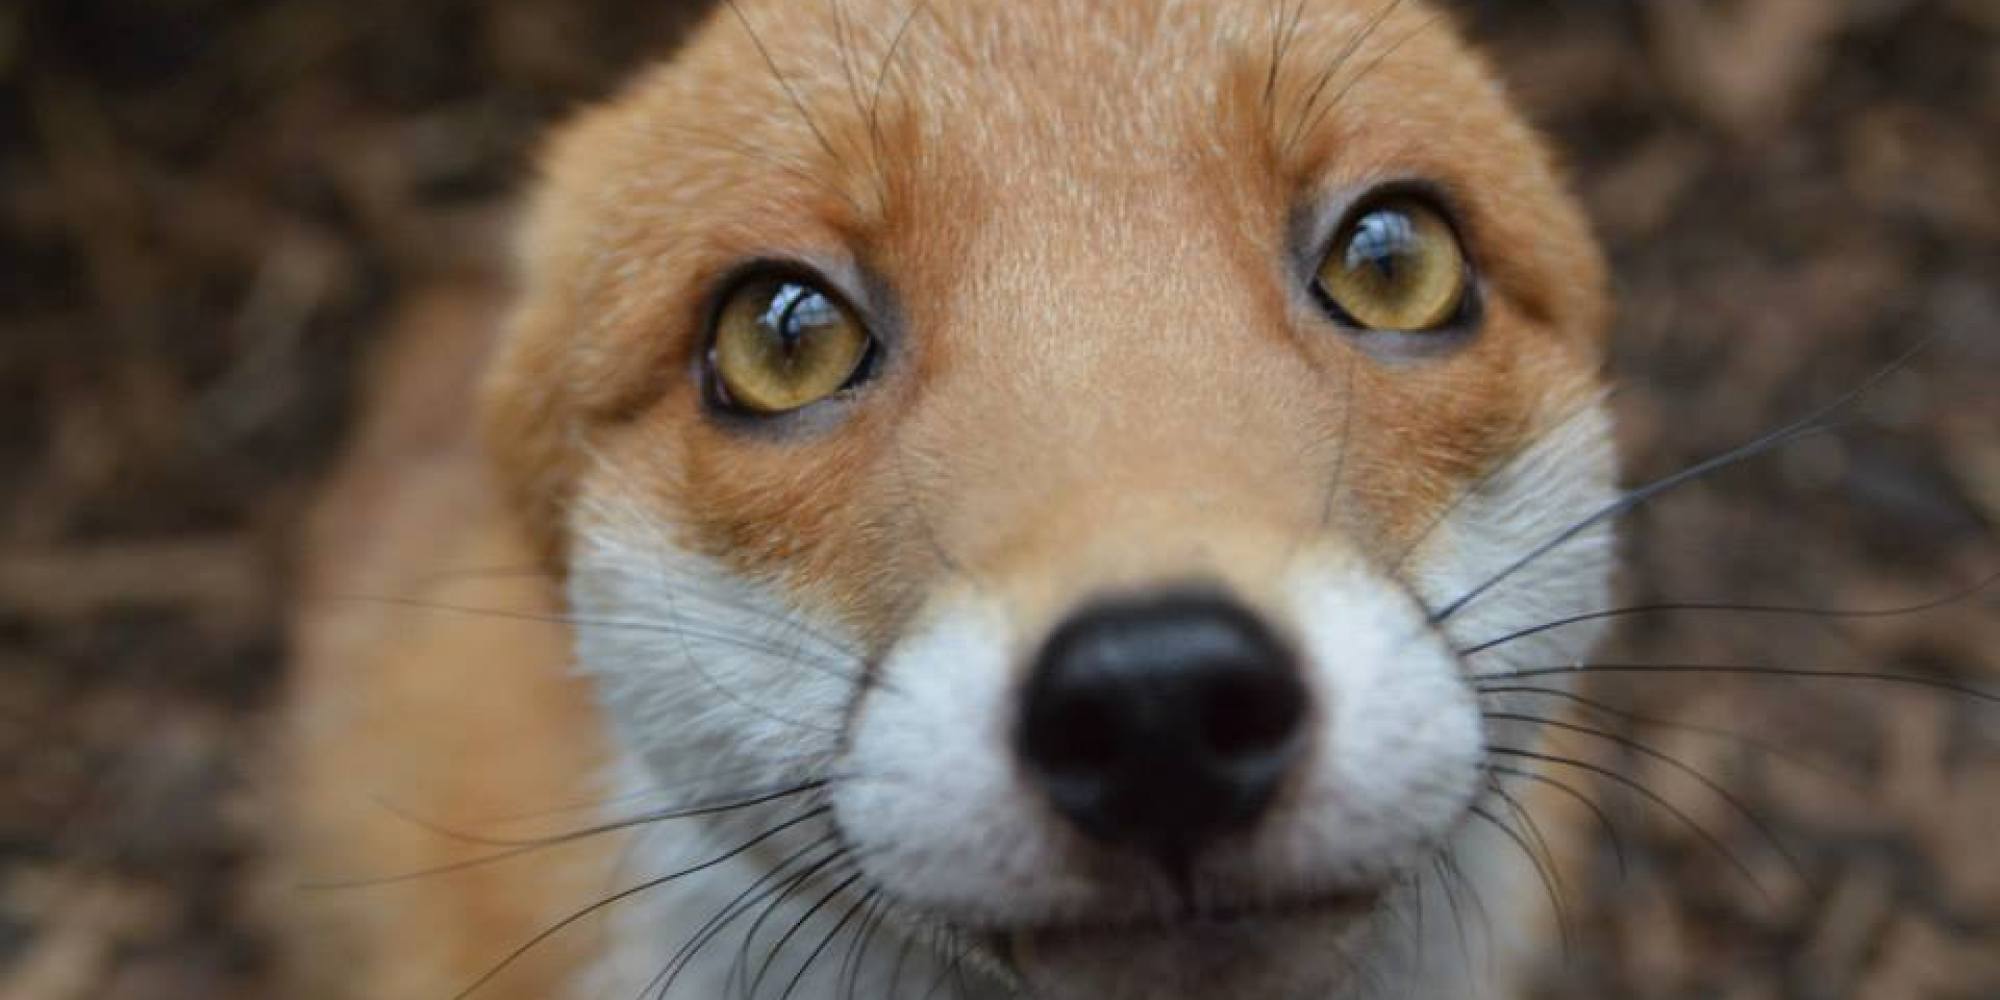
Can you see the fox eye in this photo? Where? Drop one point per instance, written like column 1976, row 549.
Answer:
column 1396, row 265
column 781, row 343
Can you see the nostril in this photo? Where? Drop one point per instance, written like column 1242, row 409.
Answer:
column 1248, row 716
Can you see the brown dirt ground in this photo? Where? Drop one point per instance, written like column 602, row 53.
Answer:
column 209, row 207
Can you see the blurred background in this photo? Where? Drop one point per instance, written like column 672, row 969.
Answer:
column 209, row 210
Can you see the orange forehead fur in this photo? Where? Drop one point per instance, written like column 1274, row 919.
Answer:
column 1076, row 224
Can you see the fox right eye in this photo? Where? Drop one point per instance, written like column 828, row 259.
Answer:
column 1396, row 265
column 784, row 342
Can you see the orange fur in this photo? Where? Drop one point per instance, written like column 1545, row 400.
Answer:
column 1084, row 205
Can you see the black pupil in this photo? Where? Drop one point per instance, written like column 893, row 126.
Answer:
column 1382, row 240
column 794, row 312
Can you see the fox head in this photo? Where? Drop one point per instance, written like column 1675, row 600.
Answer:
column 1078, row 438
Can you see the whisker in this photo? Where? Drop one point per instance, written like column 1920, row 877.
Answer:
column 1506, row 465
column 957, row 967
column 797, row 925
column 1603, row 820
column 882, row 77
column 1528, row 825
column 1764, row 747
column 855, row 961
column 1745, row 670
column 1479, row 910
column 739, row 640
column 627, row 893
column 928, row 530
column 1934, row 604
column 942, row 944
column 1542, row 873
column 843, row 41
column 791, row 93
column 1735, row 802
column 1333, row 68
column 1416, row 886
column 795, row 168
column 1284, row 34
column 521, row 846
column 1451, row 903
column 1713, row 842
column 817, row 759
column 1373, row 64
column 895, row 987
column 757, row 892
column 1634, row 498
column 1346, row 443
column 739, row 968
column 827, row 941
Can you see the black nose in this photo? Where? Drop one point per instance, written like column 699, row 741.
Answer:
column 1163, row 721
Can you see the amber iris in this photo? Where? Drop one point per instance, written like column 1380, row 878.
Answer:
column 783, row 343
column 1396, row 265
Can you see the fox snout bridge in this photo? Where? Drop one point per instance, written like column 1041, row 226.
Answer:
column 1162, row 721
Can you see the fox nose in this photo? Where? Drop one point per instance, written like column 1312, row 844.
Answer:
column 1160, row 722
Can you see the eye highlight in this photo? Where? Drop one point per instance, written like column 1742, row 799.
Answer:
column 1396, row 265
column 783, row 342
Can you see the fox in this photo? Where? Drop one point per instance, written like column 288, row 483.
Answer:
column 993, row 498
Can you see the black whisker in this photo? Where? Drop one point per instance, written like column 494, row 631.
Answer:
column 1634, row 498
column 1451, row 903
column 1285, row 23
column 855, row 961
column 1542, row 873
column 1764, row 747
column 1373, row 64
column 663, row 982
column 1486, row 479
column 1746, row 670
column 925, row 528
column 882, row 77
column 1346, row 443
column 1415, row 883
column 1747, row 609
column 895, row 985
column 1603, row 820
column 944, row 943
column 739, row 967
column 1713, row 842
column 1325, row 78
column 1528, row 825
column 521, row 846
column 827, row 941
column 959, row 988
column 791, row 93
column 784, row 939
column 1479, row 909
column 1714, row 787
column 745, row 642
column 624, row 894
column 792, row 167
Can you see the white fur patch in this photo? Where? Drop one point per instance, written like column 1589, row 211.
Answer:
column 719, row 686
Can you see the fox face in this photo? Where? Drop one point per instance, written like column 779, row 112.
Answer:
column 1070, row 445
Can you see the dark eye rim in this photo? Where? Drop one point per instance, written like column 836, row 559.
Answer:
column 778, row 270
column 1339, row 220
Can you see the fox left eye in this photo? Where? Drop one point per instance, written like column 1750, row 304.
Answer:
column 782, row 343
column 1396, row 265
